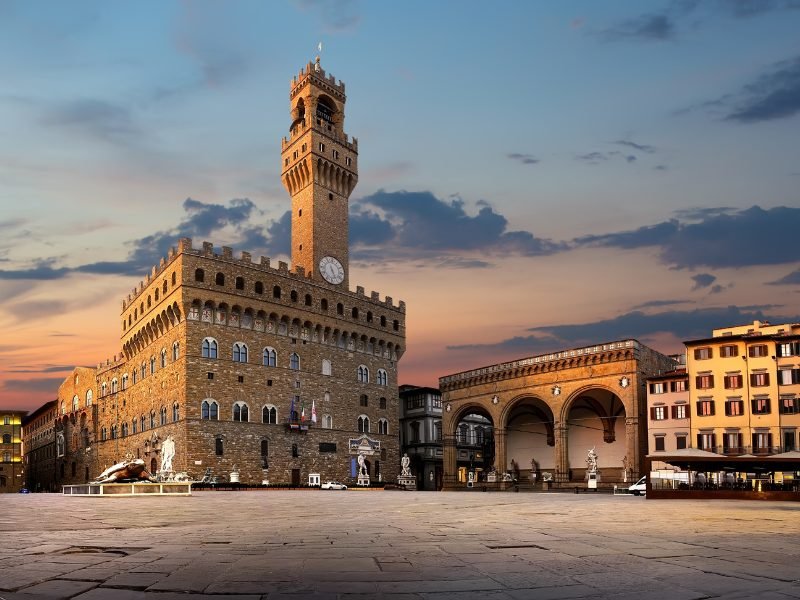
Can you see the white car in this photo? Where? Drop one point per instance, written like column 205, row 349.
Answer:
column 639, row 488
column 333, row 485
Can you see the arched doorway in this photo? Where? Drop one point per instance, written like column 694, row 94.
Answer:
column 530, row 438
column 596, row 419
column 474, row 446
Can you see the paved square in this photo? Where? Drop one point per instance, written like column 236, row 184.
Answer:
column 398, row 545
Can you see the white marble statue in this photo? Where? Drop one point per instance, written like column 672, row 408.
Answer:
column 404, row 463
column 167, row 454
column 591, row 460
column 362, row 465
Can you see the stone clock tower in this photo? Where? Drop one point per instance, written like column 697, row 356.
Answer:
column 320, row 170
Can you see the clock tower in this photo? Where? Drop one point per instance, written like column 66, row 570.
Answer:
column 320, row 170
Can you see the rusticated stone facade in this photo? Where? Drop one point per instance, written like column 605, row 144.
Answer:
column 252, row 367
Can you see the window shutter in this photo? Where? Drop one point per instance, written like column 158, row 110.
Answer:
column 697, row 382
column 699, row 440
column 674, row 411
column 753, row 441
column 711, row 381
column 713, row 442
column 699, row 404
column 652, row 414
column 696, row 353
column 769, row 441
column 712, row 408
column 766, row 378
column 740, row 440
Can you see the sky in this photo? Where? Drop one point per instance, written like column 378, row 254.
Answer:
column 534, row 176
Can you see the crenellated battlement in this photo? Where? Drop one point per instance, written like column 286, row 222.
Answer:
column 313, row 70
column 299, row 129
column 111, row 363
column 245, row 259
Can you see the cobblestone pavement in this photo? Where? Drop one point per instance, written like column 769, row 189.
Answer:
column 399, row 545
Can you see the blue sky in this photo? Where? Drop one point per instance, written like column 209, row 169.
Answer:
column 563, row 173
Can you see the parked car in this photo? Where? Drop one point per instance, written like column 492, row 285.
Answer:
column 333, row 485
column 24, row 491
column 639, row 488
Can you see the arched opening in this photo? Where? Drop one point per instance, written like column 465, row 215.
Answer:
column 530, row 439
column 596, row 420
column 474, row 443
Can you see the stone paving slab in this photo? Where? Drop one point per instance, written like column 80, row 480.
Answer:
column 399, row 546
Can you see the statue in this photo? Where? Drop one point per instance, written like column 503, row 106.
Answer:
column 128, row 470
column 404, row 463
column 533, row 470
column 625, row 469
column 167, row 454
column 591, row 460
column 362, row 465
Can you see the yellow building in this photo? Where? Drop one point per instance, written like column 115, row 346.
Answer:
column 11, row 467
column 745, row 389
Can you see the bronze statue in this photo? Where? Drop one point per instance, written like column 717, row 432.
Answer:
column 126, row 471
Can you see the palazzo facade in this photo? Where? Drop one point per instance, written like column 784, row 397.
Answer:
column 277, row 374
column 548, row 411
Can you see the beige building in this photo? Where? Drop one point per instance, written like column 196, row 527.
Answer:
column 745, row 389
column 278, row 374
column 668, row 415
column 548, row 411
column 11, row 466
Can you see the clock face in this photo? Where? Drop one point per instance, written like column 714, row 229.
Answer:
column 331, row 270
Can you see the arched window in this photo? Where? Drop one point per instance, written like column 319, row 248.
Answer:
column 355, row 312
column 269, row 357
column 383, row 426
column 6, row 439
column 152, row 419
column 176, row 351
column 209, row 410
column 113, row 432
column 124, row 381
column 149, row 302
column 143, row 370
column 220, row 279
column 103, row 435
column 269, row 414
column 219, row 447
column 382, row 377
column 340, row 309
column 239, row 352
column 103, row 392
column 124, row 429
column 163, row 357
column 156, row 293
column 134, row 425
column 175, row 412
column 308, row 300
column 363, row 400
column 293, row 296
column 241, row 412
column 75, row 403
column 326, row 366
column 463, row 433
column 152, row 365
column 209, row 349
column 323, row 304
column 259, row 287
column 199, row 275
column 144, row 423
column 276, row 291
column 327, row 422
column 114, row 386
column 134, row 375
column 295, row 452
column 383, row 321
column 294, row 361
column 362, row 374
column 265, row 454
column 363, row 424
column 240, row 283
column 369, row 317
column 89, row 397
column 164, row 287
column 163, row 415
column 174, row 279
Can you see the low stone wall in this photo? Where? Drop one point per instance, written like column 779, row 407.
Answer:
column 110, row 490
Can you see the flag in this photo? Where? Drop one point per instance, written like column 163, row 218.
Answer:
column 302, row 412
column 313, row 412
column 319, row 47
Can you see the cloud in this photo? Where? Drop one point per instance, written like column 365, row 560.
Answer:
column 42, row 369
column 703, row 280
column 594, row 157
column 409, row 224
column 690, row 324
column 640, row 147
column 659, row 303
column 773, row 95
column 336, row 15
column 38, row 385
column 525, row 159
column 792, row 278
column 752, row 236
column 650, row 27
column 745, row 9
column 97, row 118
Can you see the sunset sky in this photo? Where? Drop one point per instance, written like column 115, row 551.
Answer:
column 534, row 176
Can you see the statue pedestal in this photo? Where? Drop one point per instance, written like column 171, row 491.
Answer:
column 363, row 480
column 407, row 481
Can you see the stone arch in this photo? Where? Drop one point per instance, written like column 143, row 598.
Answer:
column 528, row 421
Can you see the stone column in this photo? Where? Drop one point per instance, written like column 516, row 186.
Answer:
column 561, row 452
column 635, row 462
column 450, row 474
column 500, row 451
